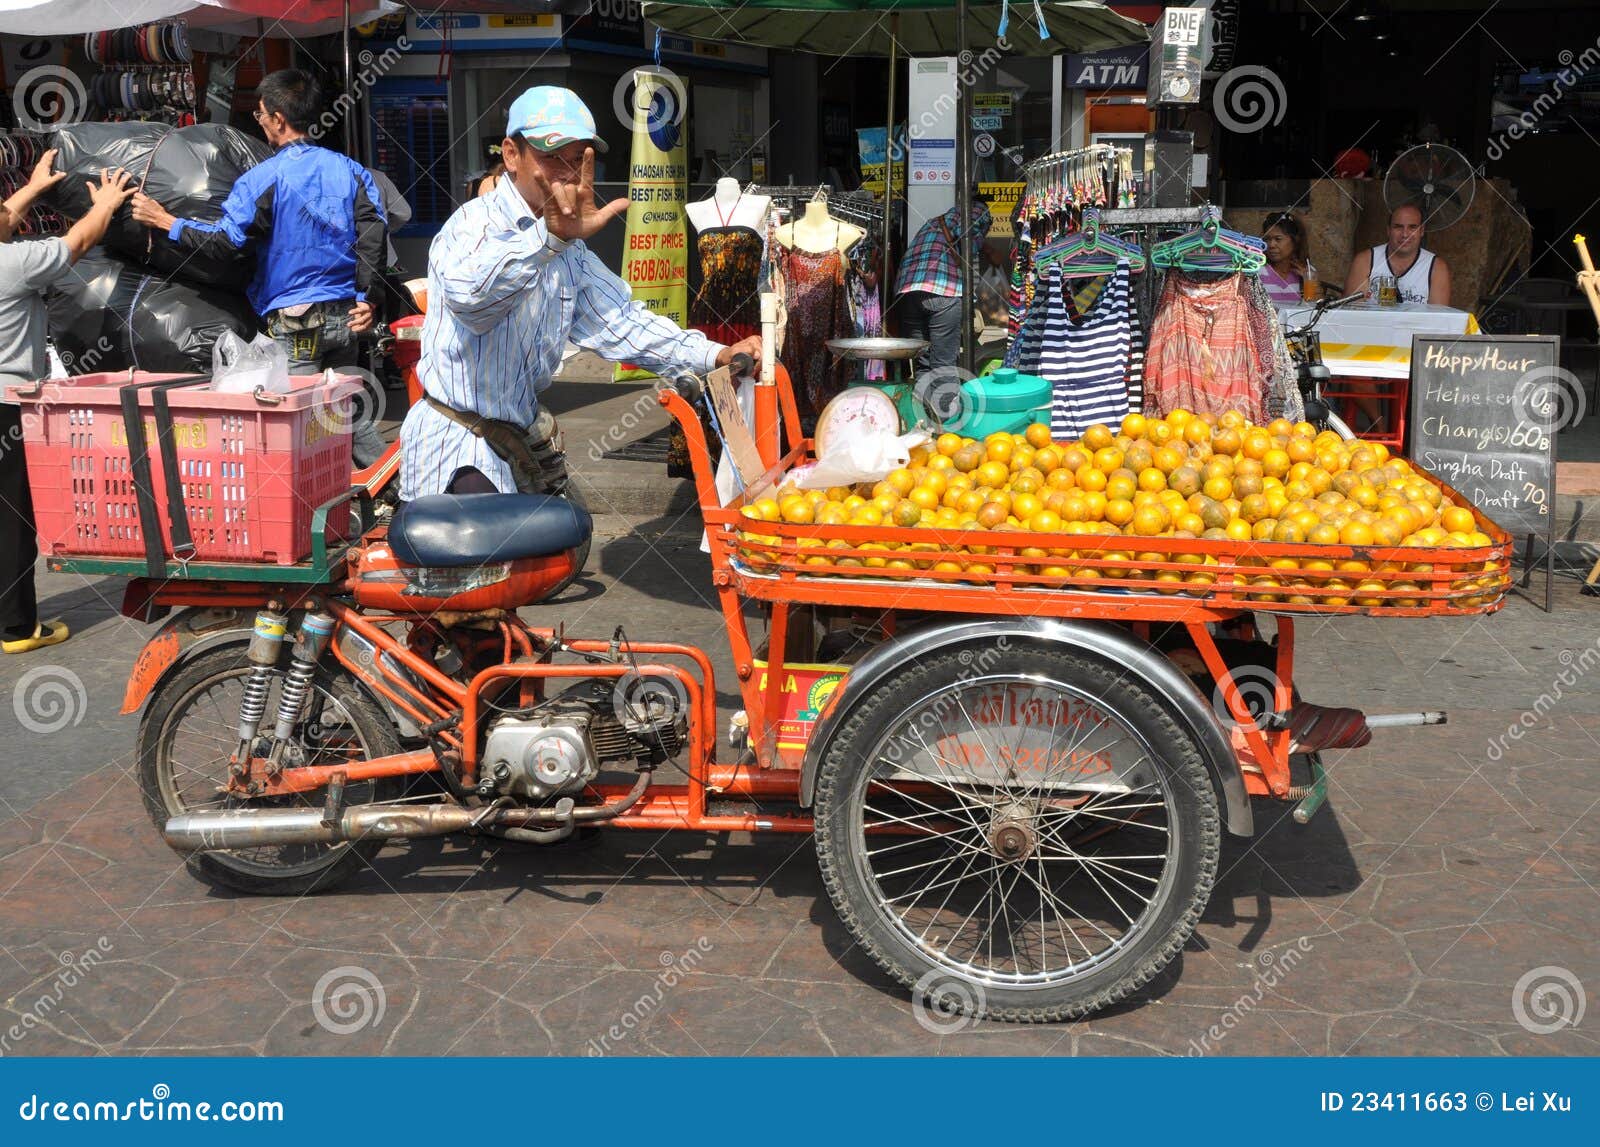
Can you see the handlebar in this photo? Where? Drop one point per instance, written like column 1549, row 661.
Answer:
column 1322, row 308
column 691, row 388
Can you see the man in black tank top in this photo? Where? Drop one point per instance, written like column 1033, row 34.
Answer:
column 1400, row 257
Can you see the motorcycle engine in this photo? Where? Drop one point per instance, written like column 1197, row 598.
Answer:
column 561, row 745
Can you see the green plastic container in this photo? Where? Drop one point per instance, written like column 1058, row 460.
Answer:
column 1001, row 399
column 1004, row 401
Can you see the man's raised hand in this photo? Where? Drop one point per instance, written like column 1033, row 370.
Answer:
column 570, row 210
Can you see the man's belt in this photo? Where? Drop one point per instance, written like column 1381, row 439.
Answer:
column 507, row 440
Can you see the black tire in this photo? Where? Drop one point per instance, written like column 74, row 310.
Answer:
column 289, row 870
column 982, row 818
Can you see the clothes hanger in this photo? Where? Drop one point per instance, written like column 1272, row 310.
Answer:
column 1089, row 251
column 1211, row 247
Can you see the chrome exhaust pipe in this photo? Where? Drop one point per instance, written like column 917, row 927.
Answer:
column 256, row 827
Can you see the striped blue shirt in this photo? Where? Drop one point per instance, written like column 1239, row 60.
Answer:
column 504, row 298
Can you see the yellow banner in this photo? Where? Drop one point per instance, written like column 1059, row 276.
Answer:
column 655, row 255
column 1002, row 200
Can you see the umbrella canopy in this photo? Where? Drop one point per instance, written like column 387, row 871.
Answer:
column 926, row 27
column 283, row 17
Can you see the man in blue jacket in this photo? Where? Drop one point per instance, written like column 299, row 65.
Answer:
column 315, row 219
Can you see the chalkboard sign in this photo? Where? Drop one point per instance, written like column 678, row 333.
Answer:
column 1484, row 415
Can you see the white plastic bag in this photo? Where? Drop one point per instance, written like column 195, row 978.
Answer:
column 239, row 367
column 865, row 457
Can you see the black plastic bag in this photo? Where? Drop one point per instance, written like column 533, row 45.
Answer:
column 108, row 314
column 189, row 171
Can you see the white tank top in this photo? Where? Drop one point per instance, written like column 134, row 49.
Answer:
column 1414, row 283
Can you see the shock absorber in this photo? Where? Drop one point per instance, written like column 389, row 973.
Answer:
column 265, row 644
column 315, row 630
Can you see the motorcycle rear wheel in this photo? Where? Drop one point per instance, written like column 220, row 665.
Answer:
column 185, row 741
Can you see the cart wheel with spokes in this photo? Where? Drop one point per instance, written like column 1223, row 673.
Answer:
column 1023, row 833
column 188, row 736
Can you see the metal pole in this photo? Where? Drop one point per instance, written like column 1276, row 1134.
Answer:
column 349, row 86
column 885, row 288
column 964, row 190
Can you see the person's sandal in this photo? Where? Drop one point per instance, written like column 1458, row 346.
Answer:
column 52, row 632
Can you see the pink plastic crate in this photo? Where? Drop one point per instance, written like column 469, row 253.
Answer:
column 253, row 471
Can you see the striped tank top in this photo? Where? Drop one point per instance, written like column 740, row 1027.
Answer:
column 1088, row 359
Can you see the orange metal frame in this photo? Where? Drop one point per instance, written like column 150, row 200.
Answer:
column 452, row 710
column 1393, row 395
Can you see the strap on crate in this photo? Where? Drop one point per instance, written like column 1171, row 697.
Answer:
column 143, row 486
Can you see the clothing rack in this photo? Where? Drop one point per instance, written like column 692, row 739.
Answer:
column 1149, row 223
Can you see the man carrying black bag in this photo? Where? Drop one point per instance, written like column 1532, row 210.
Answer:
column 26, row 269
column 316, row 220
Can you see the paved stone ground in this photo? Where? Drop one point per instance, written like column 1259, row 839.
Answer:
column 1449, row 863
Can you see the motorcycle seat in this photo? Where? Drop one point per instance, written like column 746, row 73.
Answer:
column 472, row 529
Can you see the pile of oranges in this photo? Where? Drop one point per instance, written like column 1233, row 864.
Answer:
column 1182, row 476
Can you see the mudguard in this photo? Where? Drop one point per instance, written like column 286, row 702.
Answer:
column 180, row 636
column 1153, row 669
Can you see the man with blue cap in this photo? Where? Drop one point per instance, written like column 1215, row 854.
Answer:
column 510, row 282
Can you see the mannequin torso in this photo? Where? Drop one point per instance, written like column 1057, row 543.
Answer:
column 728, row 206
column 816, row 231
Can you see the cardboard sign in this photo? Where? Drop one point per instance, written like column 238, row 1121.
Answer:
column 1484, row 414
column 736, row 434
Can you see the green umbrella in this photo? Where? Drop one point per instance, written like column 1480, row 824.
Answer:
column 909, row 27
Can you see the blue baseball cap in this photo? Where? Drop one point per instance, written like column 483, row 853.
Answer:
column 550, row 118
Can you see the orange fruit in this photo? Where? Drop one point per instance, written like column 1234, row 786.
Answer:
column 999, row 448
column 1098, row 437
column 991, row 515
column 1168, row 458
column 1119, row 511
column 1289, row 530
column 1094, row 505
column 947, row 443
column 1073, row 508
column 992, row 473
column 834, row 514
column 1046, row 459
column 1107, row 459
column 1153, row 480
column 1356, row 534
column 1457, row 519
column 1037, row 435
column 1159, row 432
column 1238, row 529
column 1276, row 462
column 1217, row 488
column 1133, row 425
column 1024, row 506
column 1322, row 534
column 1150, row 520
column 1091, row 478
column 1256, row 444
column 1121, row 484
column 900, row 481
column 1196, row 432
column 1075, row 457
column 1045, row 522
column 968, row 457
column 1188, row 522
